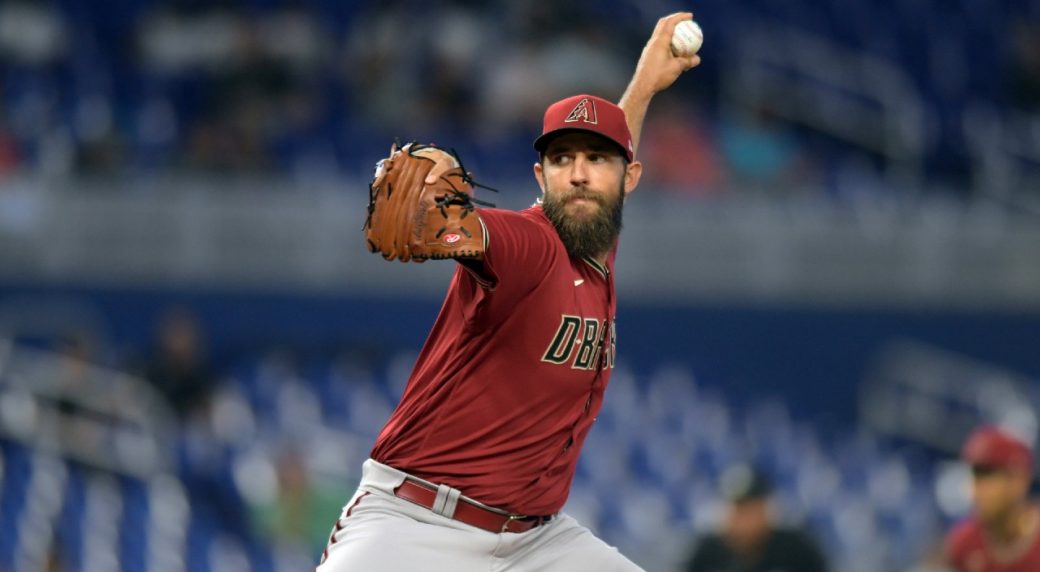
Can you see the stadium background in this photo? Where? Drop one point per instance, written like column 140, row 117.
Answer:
column 830, row 269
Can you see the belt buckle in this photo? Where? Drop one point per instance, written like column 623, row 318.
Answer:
column 510, row 518
column 539, row 520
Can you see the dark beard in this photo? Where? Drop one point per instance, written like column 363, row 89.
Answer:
column 585, row 238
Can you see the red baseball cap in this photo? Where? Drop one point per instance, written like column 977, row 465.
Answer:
column 994, row 448
column 586, row 113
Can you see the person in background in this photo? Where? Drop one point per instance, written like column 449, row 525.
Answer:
column 1003, row 532
column 297, row 516
column 179, row 368
column 750, row 539
column 1023, row 80
column 683, row 149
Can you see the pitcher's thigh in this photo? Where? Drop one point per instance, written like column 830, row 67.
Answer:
column 568, row 546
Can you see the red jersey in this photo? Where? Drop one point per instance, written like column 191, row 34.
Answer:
column 969, row 549
column 513, row 372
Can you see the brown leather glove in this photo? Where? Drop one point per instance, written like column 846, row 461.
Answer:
column 410, row 220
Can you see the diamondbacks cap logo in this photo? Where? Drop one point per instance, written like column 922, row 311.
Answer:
column 585, row 111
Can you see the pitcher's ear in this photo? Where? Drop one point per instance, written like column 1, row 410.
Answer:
column 539, row 176
column 633, row 172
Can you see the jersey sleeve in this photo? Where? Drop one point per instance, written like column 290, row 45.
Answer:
column 518, row 250
column 954, row 545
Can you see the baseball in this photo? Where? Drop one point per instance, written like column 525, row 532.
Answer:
column 687, row 38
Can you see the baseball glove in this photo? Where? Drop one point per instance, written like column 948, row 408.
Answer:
column 409, row 220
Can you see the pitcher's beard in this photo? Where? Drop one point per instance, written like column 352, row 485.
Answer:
column 589, row 235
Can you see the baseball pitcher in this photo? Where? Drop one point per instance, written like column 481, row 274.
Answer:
column 472, row 469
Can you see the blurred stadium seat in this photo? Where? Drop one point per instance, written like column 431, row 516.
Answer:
column 660, row 444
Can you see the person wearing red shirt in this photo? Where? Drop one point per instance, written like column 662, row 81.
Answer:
column 473, row 467
column 1003, row 533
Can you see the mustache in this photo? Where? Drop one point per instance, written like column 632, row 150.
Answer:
column 582, row 192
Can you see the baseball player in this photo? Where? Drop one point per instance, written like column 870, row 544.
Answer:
column 474, row 465
column 1003, row 535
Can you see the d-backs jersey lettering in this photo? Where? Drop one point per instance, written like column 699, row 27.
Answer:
column 513, row 372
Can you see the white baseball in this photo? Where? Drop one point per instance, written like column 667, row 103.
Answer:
column 687, row 38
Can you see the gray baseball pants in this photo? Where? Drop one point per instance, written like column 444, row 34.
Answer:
column 380, row 532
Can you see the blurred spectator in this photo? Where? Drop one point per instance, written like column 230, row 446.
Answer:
column 546, row 63
column 33, row 43
column 252, row 78
column 100, row 148
column 585, row 58
column 762, row 152
column 301, row 88
column 679, row 150
column 178, row 367
column 750, row 539
column 377, row 68
column 1003, row 534
column 85, row 419
column 77, row 350
column 449, row 97
column 1025, row 67
column 299, row 513
column 10, row 157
